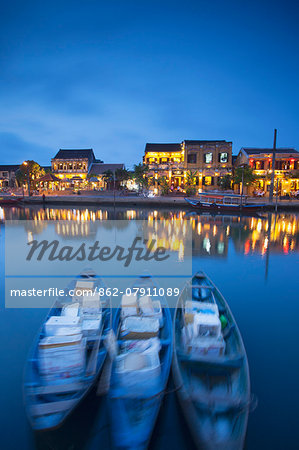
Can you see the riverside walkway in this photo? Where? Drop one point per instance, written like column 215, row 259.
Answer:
column 168, row 201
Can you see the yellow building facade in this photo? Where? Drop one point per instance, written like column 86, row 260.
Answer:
column 209, row 160
column 286, row 181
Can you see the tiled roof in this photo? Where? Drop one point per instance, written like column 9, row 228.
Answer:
column 9, row 167
column 99, row 169
column 256, row 151
column 163, row 147
column 196, row 142
column 75, row 154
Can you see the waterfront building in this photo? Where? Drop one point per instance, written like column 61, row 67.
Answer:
column 165, row 160
column 8, row 175
column 72, row 164
column 209, row 159
column 79, row 169
column 98, row 171
column 286, row 168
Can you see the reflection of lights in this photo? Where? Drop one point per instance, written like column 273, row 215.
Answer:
column 199, row 228
column 227, row 230
column 259, row 226
column 220, row 247
column 207, row 244
column 181, row 252
column 247, row 247
column 131, row 214
column 29, row 236
column 286, row 245
column 2, row 213
column 214, row 230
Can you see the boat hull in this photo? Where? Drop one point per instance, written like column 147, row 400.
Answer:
column 133, row 416
column 11, row 201
column 214, row 424
column 48, row 406
column 218, row 207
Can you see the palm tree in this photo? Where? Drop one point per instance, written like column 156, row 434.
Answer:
column 108, row 177
column 190, row 183
column 140, row 172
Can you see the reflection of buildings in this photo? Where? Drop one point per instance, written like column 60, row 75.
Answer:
column 210, row 159
column 210, row 234
column 167, row 232
column 71, row 229
column 286, row 167
column 283, row 235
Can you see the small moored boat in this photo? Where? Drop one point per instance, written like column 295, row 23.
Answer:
column 223, row 203
column 9, row 200
column 210, row 367
column 68, row 354
column 141, row 369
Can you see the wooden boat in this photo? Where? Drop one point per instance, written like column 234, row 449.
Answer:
column 223, row 203
column 133, row 409
column 48, row 404
column 214, row 391
column 9, row 200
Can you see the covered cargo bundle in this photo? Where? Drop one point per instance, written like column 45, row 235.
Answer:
column 137, row 368
column 61, row 357
column 201, row 334
column 129, row 306
column 55, row 323
column 139, row 328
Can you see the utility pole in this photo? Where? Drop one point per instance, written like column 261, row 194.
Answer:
column 273, row 168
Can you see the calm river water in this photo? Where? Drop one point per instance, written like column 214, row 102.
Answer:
column 254, row 263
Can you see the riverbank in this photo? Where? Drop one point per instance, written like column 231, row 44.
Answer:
column 166, row 201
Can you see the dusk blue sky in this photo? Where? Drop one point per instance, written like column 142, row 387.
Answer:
column 114, row 75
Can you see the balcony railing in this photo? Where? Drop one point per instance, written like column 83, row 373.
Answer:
column 69, row 170
column 166, row 166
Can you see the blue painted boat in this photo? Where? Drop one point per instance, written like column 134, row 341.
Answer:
column 213, row 389
column 133, row 411
column 48, row 404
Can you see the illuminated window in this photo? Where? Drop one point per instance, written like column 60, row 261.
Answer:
column 208, row 158
column 191, row 158
column 223, row 157
column 151, row 160
column 207, row 181
column 163, row 160
column 176, row 159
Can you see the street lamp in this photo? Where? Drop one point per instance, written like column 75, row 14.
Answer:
column 28, row 180
column 242, row 166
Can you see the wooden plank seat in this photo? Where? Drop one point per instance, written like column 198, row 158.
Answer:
column 221, row 402
column 56, row 388
column 42, row 409
column 202, row 362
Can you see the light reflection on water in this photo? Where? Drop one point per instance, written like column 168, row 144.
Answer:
column 211, row 234
column 253, row 260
